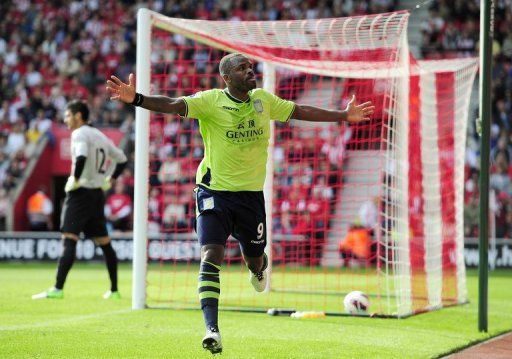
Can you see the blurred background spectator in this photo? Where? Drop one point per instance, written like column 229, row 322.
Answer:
column 40, row 210
column 118, row 208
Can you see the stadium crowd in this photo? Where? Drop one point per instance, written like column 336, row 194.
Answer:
column 452, row 30
column 54, row 51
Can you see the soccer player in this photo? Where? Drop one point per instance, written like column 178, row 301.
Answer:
column 83, row 210
column 235, row 126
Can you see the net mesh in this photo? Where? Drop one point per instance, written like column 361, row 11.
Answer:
column 335, row 47
column 340, row 219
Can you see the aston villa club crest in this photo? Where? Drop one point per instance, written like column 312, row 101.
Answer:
column 258, row 106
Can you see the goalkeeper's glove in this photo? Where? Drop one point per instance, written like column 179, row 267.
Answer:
column 72, row 184
column 107, row 184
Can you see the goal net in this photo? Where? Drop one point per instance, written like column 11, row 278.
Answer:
column 375, row 206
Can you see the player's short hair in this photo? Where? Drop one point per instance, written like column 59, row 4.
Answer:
column 77, row 106
column 226, row 63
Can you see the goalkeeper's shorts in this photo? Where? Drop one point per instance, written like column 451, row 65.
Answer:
column 84, row 211
column 240, row 214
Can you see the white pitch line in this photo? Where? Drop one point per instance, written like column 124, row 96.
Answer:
column 63, row 321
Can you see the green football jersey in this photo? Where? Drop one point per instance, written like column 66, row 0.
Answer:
column 236, row 136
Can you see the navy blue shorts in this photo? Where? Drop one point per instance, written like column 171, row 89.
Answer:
column 240, row 214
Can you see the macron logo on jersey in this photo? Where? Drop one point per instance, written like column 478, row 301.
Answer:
column 230, row 108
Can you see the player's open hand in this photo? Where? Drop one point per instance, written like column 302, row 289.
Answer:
column 358, row 113
column 121, row 91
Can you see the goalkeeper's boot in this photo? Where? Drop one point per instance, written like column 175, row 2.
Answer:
column 259, row 279
column 112, row 295
column 211, row 341
column 52, row 293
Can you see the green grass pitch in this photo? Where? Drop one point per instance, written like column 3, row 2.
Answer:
column 177, row 283
column 83, row 325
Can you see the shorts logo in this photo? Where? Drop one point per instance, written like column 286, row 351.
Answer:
column 208, row 203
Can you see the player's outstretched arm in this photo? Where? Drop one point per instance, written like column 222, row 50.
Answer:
column 126, row 93
column 353, row 113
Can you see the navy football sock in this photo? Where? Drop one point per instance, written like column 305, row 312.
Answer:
column 65, row 261
column 209, row 291
column 111, row 261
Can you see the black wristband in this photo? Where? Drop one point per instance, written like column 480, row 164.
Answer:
column 137, row 100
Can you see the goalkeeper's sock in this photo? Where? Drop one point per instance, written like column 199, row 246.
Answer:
column 209, row 291
column 65, row 261
column 111, row 261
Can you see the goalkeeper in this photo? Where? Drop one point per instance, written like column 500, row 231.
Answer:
column 235, row 127
column 84, row 207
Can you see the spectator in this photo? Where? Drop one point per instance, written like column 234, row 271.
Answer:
column 507, row 46
column 118, row 208
column 174, row 214
column 503, row 147
column 502, row 116
column 502, row 207
column 4, row 207
column 500, row 179
column 170, row 171
column 155, row 207
column 471, row 186
column 33, row 135
column 356, row 246
column 128, row 181
column 471, row 217
column 41, row 122
column 369, row 214
column 322, row 190
column 40, row 210
column 16, row 139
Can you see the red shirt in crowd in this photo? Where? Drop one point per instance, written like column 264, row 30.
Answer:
column 118, row 205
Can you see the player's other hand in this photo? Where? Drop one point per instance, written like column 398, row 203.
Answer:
column 72, row 184
column 107, row 184
column 358, row 113
column 121, row 91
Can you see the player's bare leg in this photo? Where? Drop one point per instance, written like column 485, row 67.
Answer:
column 209, row 291
column 257, row 266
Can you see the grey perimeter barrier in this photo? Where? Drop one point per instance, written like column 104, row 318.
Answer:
column 46, row 246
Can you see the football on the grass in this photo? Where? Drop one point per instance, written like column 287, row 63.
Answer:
column 356, row 302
